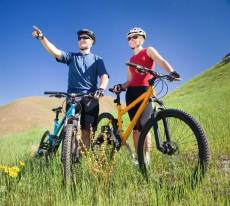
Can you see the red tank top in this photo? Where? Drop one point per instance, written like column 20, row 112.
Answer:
column 142, row 59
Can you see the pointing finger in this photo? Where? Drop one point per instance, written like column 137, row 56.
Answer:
column 36, row 28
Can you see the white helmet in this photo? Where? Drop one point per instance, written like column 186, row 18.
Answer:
column 137, row 30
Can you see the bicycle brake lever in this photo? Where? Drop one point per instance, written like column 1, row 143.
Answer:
column 171, row 78
column 177, row 79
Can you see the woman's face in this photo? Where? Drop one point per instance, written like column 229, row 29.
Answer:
column 135, row 41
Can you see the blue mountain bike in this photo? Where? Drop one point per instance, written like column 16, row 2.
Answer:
column 65, row 131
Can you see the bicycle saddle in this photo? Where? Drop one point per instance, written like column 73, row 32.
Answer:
column 58, row 109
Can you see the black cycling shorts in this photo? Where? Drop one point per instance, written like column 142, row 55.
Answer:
column 89, row 114
column 132, row 94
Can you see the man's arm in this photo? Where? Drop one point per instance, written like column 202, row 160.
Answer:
column 37, row 33
column 154, row 55
column 104, row 79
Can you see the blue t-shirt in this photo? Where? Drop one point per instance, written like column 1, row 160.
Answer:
column 84, row 70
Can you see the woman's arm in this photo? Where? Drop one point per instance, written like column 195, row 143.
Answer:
column 154, row 55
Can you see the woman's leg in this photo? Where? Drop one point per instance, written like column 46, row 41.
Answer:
column 148, row 142
column 136, row 134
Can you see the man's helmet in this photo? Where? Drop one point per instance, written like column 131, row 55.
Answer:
column 87, row 32
column 137, row 30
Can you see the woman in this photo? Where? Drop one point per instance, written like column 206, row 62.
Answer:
column 137, row 83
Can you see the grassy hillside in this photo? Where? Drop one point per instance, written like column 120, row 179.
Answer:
column 35, row 112
column 206, row 97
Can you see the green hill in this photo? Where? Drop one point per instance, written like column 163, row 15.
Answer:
column 207, row 98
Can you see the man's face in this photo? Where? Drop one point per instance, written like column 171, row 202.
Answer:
column 84, row 42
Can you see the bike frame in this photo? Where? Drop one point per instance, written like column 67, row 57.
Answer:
column 145, row 97
column 59, row 124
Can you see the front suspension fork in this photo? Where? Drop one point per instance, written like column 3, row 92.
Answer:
column 161, row 147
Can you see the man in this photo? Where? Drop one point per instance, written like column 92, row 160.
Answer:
column 84, row 69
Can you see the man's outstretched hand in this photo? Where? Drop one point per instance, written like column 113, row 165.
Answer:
column 37, row 33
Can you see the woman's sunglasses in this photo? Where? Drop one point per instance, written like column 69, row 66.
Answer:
column 133, row 37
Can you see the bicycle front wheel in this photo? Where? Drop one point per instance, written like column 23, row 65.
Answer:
column 184, row 155
column 104, row 143
column 67, row 155
column 44, row 148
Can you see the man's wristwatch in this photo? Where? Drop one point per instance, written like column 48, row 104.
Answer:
column 40, row 36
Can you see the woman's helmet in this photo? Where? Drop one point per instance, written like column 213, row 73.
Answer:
column 87, row 32
column 137, row 30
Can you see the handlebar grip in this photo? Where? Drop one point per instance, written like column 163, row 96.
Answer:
column 49, row 92
column 111, row 90
column 55, row 93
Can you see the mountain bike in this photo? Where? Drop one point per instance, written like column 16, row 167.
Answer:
column 65, row 131
column 181, row 149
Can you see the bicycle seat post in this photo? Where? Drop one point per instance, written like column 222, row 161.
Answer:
column 57, row 116
column 57, row 112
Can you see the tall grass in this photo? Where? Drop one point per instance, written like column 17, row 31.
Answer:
column 41, row 184
column 207, row 98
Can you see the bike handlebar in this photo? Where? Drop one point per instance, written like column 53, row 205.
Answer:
column 142, row 69
column 65, row 94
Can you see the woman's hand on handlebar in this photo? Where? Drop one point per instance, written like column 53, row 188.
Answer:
column 174, row 76
column 118, row 88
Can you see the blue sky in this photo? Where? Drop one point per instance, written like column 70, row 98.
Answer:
column 191, row 34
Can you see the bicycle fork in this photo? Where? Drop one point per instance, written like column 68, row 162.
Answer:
column 166, row 147
column 76, row 141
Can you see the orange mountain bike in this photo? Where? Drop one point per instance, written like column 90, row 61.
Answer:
column 181, row 149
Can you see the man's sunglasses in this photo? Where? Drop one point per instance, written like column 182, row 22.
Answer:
column 83, row 37
column 133, row 37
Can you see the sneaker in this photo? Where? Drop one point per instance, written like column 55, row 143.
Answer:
column 147, row 158
column 135, row 160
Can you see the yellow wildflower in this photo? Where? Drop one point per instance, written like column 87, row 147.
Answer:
column 22, row 163
column 2, row 167
column 15, row 169
column 6, row 170
column 12, row 173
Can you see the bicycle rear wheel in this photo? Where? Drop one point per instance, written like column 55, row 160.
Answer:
column 186, row 155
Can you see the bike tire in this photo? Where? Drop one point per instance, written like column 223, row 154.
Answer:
column 184, row 164
column 67, row 153
column 103, row 141
column 44, row 146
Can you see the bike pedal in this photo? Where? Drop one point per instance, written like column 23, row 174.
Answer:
column 39, row 153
